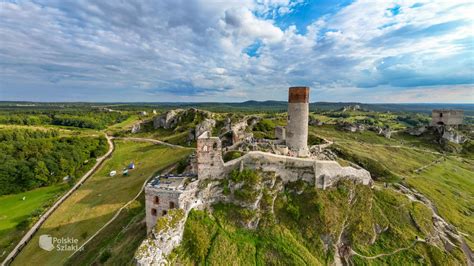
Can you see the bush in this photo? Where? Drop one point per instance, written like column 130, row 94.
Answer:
column 265, row 125
column 105, row 256
column 232, row 155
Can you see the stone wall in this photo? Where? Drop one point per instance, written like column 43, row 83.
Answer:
column 320, row 173
column 162, row 201
column 161, row 204
column 447, row 117
column 280, row 133
column 209, row 156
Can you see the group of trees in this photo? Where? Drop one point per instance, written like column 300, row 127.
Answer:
column 80, row 119
column 415, row 120
column 36, row 158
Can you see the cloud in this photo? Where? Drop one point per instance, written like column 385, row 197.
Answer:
column 232, row 50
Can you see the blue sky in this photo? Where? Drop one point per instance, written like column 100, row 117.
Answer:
column 185, row 50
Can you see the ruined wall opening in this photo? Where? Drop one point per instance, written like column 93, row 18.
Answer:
column 440, row 123
column 164, row 212
column 156, row 200
column 172, row 205
column 153, row 212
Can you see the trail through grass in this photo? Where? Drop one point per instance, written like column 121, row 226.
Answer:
column 91, row 206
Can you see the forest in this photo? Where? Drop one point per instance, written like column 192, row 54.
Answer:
column 36, row 158
column 75, row 118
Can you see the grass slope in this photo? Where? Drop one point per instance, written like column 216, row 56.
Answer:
column 16, row 213
column 306, row 226
column 100, row 197
column 448, row 183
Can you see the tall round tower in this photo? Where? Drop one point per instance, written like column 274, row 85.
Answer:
column 297, row 128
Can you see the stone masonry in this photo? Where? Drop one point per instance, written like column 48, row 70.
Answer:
column 298, row 115
column 447, row 117
column 165, row 193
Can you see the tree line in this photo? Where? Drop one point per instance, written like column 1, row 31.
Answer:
column 36, row 158
column 80, row 119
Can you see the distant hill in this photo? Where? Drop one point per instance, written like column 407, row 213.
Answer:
column 267, row 106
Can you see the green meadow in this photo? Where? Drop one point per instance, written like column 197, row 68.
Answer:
column 101, row 196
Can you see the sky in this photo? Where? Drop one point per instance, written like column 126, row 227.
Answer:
column 232, row 51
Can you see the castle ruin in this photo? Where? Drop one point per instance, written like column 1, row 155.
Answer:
column 291, row 160
column 443, row 117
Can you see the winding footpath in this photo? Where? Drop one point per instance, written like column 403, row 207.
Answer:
column 153, row 141
column 167, row 171
column 29, row 235
column 387, row 254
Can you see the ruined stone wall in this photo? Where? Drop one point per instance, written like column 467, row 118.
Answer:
column 182, row 199
column 163, row 205
column 320, row 173
column 447, row 117
column 209, row 156
column 298, row 115
column 280, row 133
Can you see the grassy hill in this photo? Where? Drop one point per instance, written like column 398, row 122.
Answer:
column 91, row 206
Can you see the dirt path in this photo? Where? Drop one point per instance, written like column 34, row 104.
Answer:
column 438, row 160
column 166, row 171
column 153, row 141
column 445, row 233
column 29, row 235
column 387, row 254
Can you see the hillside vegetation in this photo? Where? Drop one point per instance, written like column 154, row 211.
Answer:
column 305, row 225
column 96, row 202
column 33, row 158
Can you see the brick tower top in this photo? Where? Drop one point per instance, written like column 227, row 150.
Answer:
column 298, row 95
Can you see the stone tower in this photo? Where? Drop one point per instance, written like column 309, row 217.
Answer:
column 297, row 128
column 209, row 156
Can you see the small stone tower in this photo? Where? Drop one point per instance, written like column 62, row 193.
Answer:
column 209, row 156
column 447, row 117
column 297, row 128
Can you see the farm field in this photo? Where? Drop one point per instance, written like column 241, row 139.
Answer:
column 91, row 206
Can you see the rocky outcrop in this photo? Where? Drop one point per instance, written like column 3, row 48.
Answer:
column 172, row 118
column 451, row 135
column 350, row 108
column 136, row 128
column 315, row 122
column 206, row 125
column 167, row 120
column 351, row 127
column 416, row 131
column 166, row 235
column 386, row 132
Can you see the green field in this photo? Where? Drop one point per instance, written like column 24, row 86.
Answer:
column 92, row 205
column 15, row 212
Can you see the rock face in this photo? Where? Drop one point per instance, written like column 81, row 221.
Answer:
column 349, row 108
column 165, row 236
column 238, row 131
column 386, row 132
column 416, row 131
column 168, row 119
column 451, row 135
column 206, row 125
column 136, row 128
column 351, row 127
column 315, row 122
